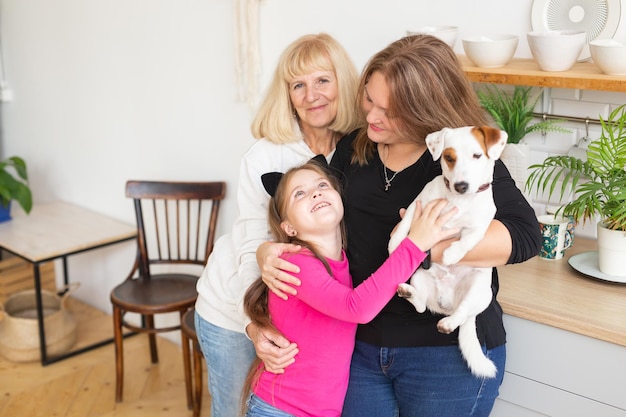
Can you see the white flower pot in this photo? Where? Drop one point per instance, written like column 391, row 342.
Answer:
column 612, row 252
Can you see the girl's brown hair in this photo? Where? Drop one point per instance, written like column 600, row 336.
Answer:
column 428, row 91
column 256, row 298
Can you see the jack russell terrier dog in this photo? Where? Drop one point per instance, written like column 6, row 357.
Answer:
column 460, row 292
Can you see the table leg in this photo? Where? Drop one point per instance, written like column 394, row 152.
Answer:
column 40, row 315
column 66, row 280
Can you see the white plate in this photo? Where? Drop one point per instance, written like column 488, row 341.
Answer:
column 587, row 264
column 599, row 18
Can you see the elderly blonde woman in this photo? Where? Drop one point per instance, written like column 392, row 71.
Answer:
column 309, row 106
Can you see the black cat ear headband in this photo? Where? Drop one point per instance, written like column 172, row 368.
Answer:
column 271, row 180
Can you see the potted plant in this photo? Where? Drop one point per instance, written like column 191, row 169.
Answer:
column 14, row 186
column 597, row 186
column 513, row 113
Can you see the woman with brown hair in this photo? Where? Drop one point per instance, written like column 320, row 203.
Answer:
column 402, row 366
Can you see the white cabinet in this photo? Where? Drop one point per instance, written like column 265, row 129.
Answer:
column 553, row 372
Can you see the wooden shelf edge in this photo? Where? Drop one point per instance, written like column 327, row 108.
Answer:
column 584, row 76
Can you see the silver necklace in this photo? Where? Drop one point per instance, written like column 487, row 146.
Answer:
column 388, row 180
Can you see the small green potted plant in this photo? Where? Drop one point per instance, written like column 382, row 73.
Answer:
column 597, row 186
column 514, row 113
column 14, row 186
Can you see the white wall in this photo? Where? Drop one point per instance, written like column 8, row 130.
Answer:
column 110, row 90
column 105, row 91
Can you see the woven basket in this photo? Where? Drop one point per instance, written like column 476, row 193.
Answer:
column 19, row 332
column 17, row 275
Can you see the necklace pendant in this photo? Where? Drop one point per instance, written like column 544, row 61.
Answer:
column 387, row 185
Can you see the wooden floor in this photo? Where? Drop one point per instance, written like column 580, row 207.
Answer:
column 83, row 386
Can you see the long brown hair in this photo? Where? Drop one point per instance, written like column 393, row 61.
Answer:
column 428, row 91
column 255, row 300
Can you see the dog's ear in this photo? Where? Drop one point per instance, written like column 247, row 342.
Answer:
column 495, row 141
column 434, row 142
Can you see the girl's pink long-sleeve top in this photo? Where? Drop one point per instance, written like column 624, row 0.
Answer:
column 322, row 319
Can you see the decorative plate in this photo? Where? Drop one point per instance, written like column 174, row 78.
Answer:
column 599, row 18
column 587, row 264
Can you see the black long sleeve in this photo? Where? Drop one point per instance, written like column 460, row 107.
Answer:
column 371, row 213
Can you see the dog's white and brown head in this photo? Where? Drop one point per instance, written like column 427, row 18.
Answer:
column 468, row 155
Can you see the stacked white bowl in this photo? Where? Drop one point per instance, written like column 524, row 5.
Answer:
column 609, row 55
column 556, row 50
column 490, row 51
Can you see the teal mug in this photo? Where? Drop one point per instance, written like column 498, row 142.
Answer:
column 557, row 235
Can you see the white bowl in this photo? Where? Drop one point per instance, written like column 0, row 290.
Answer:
column 609, row 55
column 556, row 50
column 490, row 51
column 447, row 34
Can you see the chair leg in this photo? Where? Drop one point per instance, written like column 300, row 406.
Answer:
column 187, row 365
column 149, row 324
column 119, row 353
column 197, row 370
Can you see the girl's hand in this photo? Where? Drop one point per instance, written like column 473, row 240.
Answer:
column 428, row 222
column 275, row 271
column 272, row 348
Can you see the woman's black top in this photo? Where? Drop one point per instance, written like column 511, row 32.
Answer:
column 371, row 213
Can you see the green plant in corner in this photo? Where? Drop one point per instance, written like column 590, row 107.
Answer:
column 513, row 113
column 14, row 183
column 598, row 184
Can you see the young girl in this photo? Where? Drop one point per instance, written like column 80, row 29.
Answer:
column 306, row 209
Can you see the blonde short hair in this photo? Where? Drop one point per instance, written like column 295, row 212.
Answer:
column 321, row 52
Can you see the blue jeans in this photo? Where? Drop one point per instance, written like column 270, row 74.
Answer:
column 259, row 408
column 229, row 356
column 419, row 381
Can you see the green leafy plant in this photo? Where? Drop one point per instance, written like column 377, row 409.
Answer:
column 598, row 184
column 513, row 113
column 14, row 183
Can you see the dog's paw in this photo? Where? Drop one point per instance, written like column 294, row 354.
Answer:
column 405, row 291
column 447, row 325
column 412, row 296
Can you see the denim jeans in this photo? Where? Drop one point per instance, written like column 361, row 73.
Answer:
column 229, row 356
column 259, row 408
column 419, row 381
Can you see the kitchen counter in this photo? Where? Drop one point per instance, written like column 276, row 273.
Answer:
column 553, row 293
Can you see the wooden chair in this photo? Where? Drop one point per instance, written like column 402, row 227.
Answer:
column 176, row 224
column 192, row 364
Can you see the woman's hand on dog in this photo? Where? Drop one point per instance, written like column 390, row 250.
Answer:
column 272, row 348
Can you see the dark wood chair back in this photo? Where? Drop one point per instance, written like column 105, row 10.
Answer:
column 176, row 221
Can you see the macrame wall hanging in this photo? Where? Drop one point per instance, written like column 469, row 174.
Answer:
column 247, row 56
